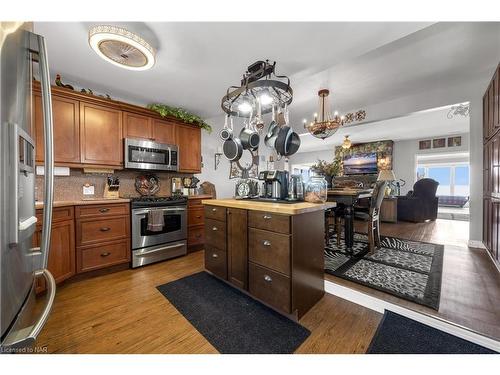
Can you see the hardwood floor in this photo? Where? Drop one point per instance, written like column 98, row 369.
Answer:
column 124, row 313
column 470, row 289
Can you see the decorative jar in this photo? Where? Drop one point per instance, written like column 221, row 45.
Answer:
column 316, row 190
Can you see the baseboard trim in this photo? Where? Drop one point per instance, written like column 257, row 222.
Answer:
column 380, row 305
column 495, row 263
column 476, row 244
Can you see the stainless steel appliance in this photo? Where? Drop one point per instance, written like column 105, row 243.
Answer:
column 275, row 184
column 21, row 264
column 143, row 154
column 171, row 241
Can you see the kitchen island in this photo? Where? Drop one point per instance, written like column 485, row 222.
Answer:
column 272, row 251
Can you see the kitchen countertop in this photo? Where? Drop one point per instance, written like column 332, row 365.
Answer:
column 198, row 196
column 82, row 202
column 280, row 208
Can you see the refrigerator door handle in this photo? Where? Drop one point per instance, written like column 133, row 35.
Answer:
column 49, row 151
column 27, row 337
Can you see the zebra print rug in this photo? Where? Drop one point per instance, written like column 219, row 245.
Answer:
column 407, row 269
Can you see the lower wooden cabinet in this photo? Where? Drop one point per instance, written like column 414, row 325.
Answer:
column 196, row 223
column 61, row 262
column 103, row 255
column 216, row 261
column 270, row 286
column 237, row 248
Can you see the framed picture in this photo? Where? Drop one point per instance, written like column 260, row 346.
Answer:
column 455, row 141
column 439, row 143
column 424, row 145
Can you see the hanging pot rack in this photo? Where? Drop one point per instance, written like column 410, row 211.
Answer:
column 259, row 78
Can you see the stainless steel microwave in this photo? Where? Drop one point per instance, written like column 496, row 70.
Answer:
column 144, row 154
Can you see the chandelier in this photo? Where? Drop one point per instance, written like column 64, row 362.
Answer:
column 325, row 124
column 260, row 90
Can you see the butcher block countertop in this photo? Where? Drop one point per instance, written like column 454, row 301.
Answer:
column 280, row 208
column 82, row 202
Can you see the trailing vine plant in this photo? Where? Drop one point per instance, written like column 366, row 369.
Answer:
column 181, row 114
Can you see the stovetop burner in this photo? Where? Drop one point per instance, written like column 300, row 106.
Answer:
column 154, row 201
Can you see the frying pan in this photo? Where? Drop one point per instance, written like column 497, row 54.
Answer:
column 226, row 132
column 232, row 147
column 249, row 137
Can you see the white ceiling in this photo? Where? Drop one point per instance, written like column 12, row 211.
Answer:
column 420, row 125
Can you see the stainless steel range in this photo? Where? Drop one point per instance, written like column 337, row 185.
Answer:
column 166, row 242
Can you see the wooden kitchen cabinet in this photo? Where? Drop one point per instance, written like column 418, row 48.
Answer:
column 101, row 135
column 237, row 247
column 61, row 262
column 66, row 128
column 137, row 126
column 189, row 142
column 164, row 132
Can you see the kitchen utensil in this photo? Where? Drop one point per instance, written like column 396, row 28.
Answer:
column 281, row 117
column 259, row 123
column 226, row 132
column 284, row 134
column 232, row 147
column 249, row 137
column 293, row 144
column 272, row 132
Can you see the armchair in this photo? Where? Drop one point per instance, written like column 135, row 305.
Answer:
column 421, row 203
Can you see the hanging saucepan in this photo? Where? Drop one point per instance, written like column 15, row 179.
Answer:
column 272, row 132
column 293, row 145
column 232, row 147
column 249, row 137
column 284, row 134
column 226, row 132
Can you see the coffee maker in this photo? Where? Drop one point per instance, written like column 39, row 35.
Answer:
column 274, row 184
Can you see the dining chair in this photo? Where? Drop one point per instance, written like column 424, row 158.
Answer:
column 372, row 215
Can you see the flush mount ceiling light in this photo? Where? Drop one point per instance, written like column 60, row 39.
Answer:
column 121, row 47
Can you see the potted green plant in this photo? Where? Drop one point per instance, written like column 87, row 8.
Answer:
column 328, row 169
column 183, row 115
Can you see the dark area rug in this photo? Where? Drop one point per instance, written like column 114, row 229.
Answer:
column 410, row 270
column 397, row 334
column 230, row 320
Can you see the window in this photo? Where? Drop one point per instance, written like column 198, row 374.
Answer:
column 453, row 178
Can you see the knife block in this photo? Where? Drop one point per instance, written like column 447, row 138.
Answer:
column 111, row 192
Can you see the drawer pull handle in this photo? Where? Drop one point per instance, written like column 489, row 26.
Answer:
column 198, row 217
column 214, row 255
column 105, row 229
column 268, row 278
column 266, row 243
column 214, row 209
column 198, row 236
column 214, row 229
column 105, row 254
column 267, row 217
column 103, row 210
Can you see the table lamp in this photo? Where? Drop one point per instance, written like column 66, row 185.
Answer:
column 387, row 175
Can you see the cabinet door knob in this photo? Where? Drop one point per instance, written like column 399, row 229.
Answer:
column 214, row 209
column 105, row 254
column 214, row 255
column 267, row 217
column 105, row 229
column 103, row 210
column 266, row 243
column 268, row 278
column 198, row 217
column 214, row 228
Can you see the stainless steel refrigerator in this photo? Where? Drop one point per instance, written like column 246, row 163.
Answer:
column 23, row 316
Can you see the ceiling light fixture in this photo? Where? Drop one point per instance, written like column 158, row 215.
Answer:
column 347, row 143
column 265, row 98
column 326, row 124
column 244, row 107
column 121, row 47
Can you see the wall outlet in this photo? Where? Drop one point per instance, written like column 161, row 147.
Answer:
column 88, row 189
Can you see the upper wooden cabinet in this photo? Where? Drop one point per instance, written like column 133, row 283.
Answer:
column 66, row 118
column 164, row 132
column 101, row 135
column 137, row 126
column 189, row 142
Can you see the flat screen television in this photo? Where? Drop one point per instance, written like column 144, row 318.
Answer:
column 361, row 163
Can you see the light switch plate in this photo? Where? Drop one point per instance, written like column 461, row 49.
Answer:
column 88, row 189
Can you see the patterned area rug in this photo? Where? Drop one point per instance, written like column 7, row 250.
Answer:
column 407, row 269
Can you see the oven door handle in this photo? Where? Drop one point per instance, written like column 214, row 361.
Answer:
column 168, row 209
column 163, row 248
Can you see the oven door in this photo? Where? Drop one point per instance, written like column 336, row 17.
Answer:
column 174, row 229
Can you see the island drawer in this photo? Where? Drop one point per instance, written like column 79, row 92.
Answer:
column 269, row 286
column 216, row 261
column 99, row 210
column 91, row 231
column 215, row 233
column 103, row 255
column 196, row 235
column 215, row 212
column 269, row 221
column 269, row 249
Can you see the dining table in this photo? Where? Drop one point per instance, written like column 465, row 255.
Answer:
column 348, row 197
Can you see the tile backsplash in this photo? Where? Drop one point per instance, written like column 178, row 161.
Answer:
column 71, row 187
